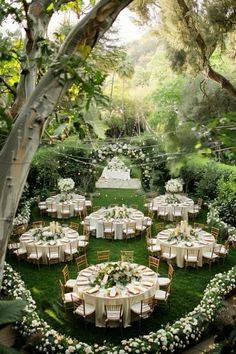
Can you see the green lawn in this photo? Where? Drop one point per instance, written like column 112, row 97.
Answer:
column 187, row 289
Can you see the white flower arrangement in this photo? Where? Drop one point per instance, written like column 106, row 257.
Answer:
column 169, row 339
column 174, row 185
column 184, row 232
column 111, row 274
column 117, row 213
column 23, row 217
column 214, row 219
column 66, row 184
column 116, row 165
column 48, row 233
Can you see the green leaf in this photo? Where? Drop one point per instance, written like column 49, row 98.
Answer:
column 11, row 311
column 6, row 350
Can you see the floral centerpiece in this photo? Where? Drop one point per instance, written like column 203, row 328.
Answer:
column 172, row 199
column 117, row 213
column 65, row 185
column 174, row 185
column 120, row 274
column 183, row 232
column 52, row 232
column 116, row 165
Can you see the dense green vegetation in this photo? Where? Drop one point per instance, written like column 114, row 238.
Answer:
column 185, row 295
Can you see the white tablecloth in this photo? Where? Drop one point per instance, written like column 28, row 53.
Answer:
column 71, row 237
column 76, row 199
column 205, row 243
column 124, row 297
column 97, row 219
column 185, row 203
column 115, row 174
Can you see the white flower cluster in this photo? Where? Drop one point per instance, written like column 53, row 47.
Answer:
column 66, row 184
column 169, row 339
column 116, row 165
column 214, row 219
column 174, row 185
column 117, row 213
column 23, row 217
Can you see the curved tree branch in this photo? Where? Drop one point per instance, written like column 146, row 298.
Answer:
column 206, row 67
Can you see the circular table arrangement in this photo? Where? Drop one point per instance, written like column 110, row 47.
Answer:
column 119, row 216
column 65, row 201
column 115, row 283
column 44, row 238
column 169, row 202
column 184, row 238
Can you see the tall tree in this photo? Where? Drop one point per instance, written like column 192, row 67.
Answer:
column 35, row 102
column 196, row 30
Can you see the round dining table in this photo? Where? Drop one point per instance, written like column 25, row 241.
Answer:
column 57, row 203
column 204, row 242
column 69, row 238
column 167, row 202
column 96, row 219
column 126, row 296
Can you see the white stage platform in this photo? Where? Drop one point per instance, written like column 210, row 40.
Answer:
column 132, row 183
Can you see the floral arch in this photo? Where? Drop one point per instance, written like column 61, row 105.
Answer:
column 135, row 153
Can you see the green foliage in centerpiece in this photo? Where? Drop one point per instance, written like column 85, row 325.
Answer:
column 171, row 199
column 52, row 232
column 120, row 273
column 184, row 232
column 117, row 213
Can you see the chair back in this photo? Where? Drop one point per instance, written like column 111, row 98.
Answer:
column 197, row 225
column 160, row 226
column 81, row 262
column 78, row 302
column 103, row 256
column 108, row 229
column 178, row 210
column 162, row 210
column 126, row 256
column 166, row 249
column 147, row 307
column 65, row 273
column 154, row 263
column 96, row 208
column 114, row 312
column 19, row 230
column 134, row 206
column 74, row 226
column 199, row 202
column 171, row 271
column 168, row 289
column 215, row 232
column 62, row 290
column 54, row 250
column 36, row 224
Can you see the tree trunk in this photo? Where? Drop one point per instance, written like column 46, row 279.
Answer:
column 24, row 138
column 200, row 43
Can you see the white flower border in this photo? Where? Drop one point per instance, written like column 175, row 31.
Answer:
column 23, row 217
column 213, row 219
column 174, row 185
column 172, row 337
column 138, row 155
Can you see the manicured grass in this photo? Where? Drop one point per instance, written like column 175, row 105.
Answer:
column 187, row 289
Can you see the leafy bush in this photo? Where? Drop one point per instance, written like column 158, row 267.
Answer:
column 201, row 176
column 227, row 211
column 226, row 189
